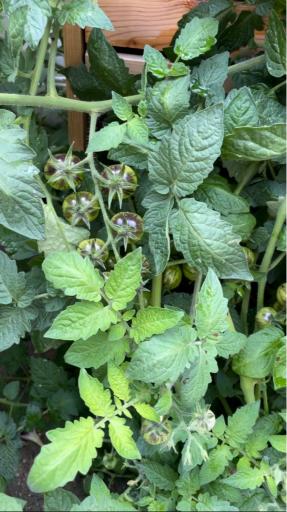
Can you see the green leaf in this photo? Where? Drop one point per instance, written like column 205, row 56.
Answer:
column 207, row 503
column 218, row 197
column 14, row 323
column 147, row 412
column 245, row 476
column 160, row 475
column 278, row 442
column 75, row 275
column 72, row 449
column 11, row 390
column 257, row 358
column 255, row 143
column 81, row 321
column 263, row 429
column 20, row 194
column 241, row 424
column 11, row 504
column 12, row 284
column 96, row 398
column 101, row 499
column 237, row 32
column 135, row 156
column 195, row 380
column 217, row 461
column 207, row 241
column 183, row 159
column 118, row 382
column 60, row 499
column 83, row 13
column 279, row 369
column 108, row 137
column 164, row 403
column 93, row 352
column 275, row 46
column 167, row 102
column 211, row 308
column 59, row 234
column 32, row 15
column 124, row 280
column 150, row 321
column 230, row 343
column 121, row 107
column 137, row 130
column 108, row 68
column 155, row 62
column 163, row 358
column 156, row 224
column 208, row 78
column 197, row 37
column 242, row 225
column 122, row 440
column 240, row 110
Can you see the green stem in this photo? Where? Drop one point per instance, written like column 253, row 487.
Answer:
column 94, row 173
column 40, row 59
column 278, row 86
column 196, row 289
column 226, row 405
column 265, row 264
column 60, row 103
column 246, row 179
column 246, row 65
column 265, row 398
column 245, row 308
column 156, row 291
column 276, row 261
column 248, row 387
column 176, row 262
column 51, row 86
column 9, row 403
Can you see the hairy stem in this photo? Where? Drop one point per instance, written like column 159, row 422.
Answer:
column 40, row 59
column 156, row 291
column 245, row 308
column 51, row 86
column 59, row 103
column 93, row 123
column 265, row 264
column 246, row 65
column 196, row 289
column 248, row 388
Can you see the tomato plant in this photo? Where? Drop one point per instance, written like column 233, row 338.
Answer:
column 142, row 284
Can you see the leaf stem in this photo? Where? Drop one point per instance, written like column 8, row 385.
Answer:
column 59, row 103
column 245, row 180
column 94, row 173
column 176, row 262
column 197, row 285
column 276, row 261
column 265, row 398
column 278, row 86
column 246, row 65
column 156, row 291
column 265, row 264
column 10, row 403
column 245, row 308
column 51, row 86
column 40, row 59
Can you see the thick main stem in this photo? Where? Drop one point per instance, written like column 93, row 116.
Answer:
column 51, row 86
column 265, row 264
column 59, row 103
column 40, row 59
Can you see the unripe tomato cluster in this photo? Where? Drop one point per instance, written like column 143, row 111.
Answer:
column 62, row 171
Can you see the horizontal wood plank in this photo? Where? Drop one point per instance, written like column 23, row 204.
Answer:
column 138, row 22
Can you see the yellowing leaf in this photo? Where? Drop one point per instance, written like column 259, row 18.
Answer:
column 96, row 398
column 118, row 382
column 122, row 440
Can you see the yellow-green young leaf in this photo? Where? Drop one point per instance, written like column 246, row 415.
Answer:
column 118, row 382
column 81, row 321
column 75, row 275
column 122, row 440
column 124, row 280
column 150, row 321
column 278, row 442
column 246, row 477
column 197, row 37
column 147, row 412
column 164, row 403
column 211, row 308
column 96, row 398
column 11, row 504
column 71, row 449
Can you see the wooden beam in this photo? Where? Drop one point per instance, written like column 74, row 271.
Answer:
column 74, row 50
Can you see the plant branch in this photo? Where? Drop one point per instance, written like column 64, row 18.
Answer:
column 246, row 65
column 51, row 86
column 276, row 261
column 246, row 179
column 94, row 173
column 40, row 59
column 156, row 291
column 245, row 308
column 59, row 103
column 265, row 264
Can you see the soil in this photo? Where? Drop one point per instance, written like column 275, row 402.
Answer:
column 18, row 487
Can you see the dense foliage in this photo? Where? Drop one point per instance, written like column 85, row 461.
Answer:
column 142, row 295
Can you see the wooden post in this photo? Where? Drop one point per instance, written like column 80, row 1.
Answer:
column 74, row 50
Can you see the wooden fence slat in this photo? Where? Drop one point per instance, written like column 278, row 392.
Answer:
column 74, row 50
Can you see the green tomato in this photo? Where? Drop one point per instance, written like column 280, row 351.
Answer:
column 110, row 461
column 281, row 294
column 172, row 277
column 189, row 272
column 94, row 248
column 60, row 171
column 80, row 208
column 265, row 317
column 250, row 256
column 122, row 181
column 128, row 226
